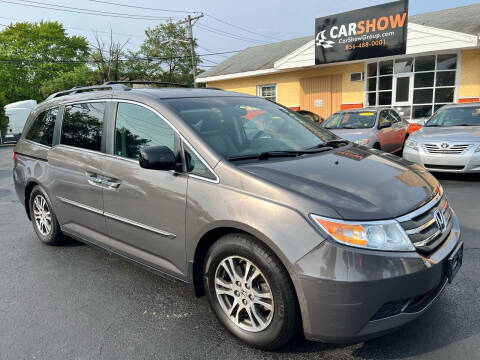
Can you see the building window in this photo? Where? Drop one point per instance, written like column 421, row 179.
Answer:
column 416, row 86
column 268, row 92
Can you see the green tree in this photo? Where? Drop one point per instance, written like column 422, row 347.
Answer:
column 81, row 75
column 33, row 53
column 3, row 118
column 168, row 54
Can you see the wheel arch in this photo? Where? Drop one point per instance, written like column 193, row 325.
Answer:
column 28, row 191
column 195, row 268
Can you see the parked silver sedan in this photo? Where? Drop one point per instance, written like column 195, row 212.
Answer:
column 380, row 128
column 449, row 141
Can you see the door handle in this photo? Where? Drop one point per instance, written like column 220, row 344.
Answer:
column 111, row 184
column 93, row 180
column 98, row 180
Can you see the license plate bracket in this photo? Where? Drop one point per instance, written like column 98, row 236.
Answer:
column 454, row 262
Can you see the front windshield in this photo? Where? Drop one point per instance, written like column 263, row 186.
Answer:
column 460, row 116
column 351, row 120
column 242, row 126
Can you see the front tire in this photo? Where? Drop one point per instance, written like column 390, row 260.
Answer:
column 43, row 218
column 250, row 292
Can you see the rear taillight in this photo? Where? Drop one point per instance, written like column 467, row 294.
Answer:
column 14, row 156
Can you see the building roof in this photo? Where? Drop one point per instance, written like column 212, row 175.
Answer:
column 464, row 19
column 256, row 57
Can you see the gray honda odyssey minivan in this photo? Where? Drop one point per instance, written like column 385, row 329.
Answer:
column 284, row 226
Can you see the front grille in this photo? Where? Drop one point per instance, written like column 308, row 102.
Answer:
column 454, row 149
column 444, row 167
column 429, row 226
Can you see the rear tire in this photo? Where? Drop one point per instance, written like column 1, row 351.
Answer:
column 43, row 218
column 259, row 304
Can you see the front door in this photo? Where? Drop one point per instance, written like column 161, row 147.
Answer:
column 145, row 209
column 386, row 132
column 402, row 89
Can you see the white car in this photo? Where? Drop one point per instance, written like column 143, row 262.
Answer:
column 449, row 141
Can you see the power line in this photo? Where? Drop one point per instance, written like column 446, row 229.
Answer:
column 210, row 61
column 206, row 49
column 239, row 27
column 12, row 60
column 36, row 4
column 186, row 11
column 95, row 11
column 145, row 8
column 229, row 35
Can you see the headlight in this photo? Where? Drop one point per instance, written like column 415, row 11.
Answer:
column 362, row 141
column 478, row 149
column 411, row 144
column 376, row 235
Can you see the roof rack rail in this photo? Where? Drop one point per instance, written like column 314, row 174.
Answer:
column 141, row 82
column 77, row 89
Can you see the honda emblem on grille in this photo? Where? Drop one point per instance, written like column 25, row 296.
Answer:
column 440, row 220
column 444, row 145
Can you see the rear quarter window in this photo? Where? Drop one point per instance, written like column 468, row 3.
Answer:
column 42, row 128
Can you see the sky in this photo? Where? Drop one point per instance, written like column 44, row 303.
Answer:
column 227, row 25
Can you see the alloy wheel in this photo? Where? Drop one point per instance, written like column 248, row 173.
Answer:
column 244, row 293
column 42, row 214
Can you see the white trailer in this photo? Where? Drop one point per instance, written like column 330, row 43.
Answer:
column 17, row 114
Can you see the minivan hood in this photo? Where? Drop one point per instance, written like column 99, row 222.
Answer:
column 451, row 133
column 352, row 134
column 358, row 183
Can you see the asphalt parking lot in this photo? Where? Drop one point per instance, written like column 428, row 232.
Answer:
column 78, row 302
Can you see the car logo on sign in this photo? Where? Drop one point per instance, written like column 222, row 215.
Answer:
column 440, row 220
column 444, row 145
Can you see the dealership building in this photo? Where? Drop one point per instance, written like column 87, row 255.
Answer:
column 439, row 64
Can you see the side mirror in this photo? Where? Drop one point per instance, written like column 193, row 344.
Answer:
column 421, row 122
column 385, row 124
column 157, row 158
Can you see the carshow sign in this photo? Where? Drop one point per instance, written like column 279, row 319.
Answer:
column 370, row 32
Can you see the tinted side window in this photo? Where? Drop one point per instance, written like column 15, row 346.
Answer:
column 195, row 166
column 138, row 127
column 384, row 118
column 82, row 125
column 395, row 116
column 42, row 128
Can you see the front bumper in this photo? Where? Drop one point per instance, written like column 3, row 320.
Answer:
column 460, row 163
column 349, row 295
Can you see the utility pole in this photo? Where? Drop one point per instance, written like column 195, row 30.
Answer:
column 190, row 21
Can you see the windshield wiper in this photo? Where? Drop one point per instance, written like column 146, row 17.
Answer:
column 330, row 143
column 282, row 153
